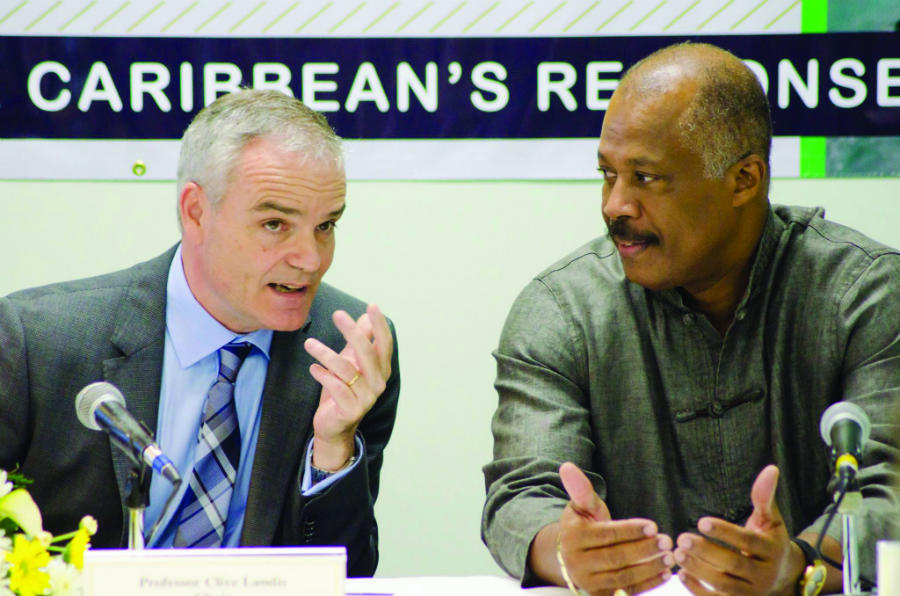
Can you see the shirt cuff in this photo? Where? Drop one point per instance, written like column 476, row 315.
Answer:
column 308, row 488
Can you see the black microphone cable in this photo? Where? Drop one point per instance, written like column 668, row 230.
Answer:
column 845, row 481
column 162, row 514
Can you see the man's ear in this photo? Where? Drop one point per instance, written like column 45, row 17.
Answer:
column 192, row 204
column 749, row 179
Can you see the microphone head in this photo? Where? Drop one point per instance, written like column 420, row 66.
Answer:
column 840, row 411
column 89, row 399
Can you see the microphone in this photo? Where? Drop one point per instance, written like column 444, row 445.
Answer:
column 101, row 406
column 845, row 428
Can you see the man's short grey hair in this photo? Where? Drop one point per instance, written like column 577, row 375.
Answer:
column 213, row 142
column 729, row 117
column 727, row 120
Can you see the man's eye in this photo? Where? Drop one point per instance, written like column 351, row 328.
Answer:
column 644, row 178
column 274, row 225
column 606, row 174
column 327, row 226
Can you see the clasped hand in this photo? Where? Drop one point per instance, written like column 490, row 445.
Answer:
column 603, row 555
column 351, row 382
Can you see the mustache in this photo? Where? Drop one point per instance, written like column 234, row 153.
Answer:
column 620, row 230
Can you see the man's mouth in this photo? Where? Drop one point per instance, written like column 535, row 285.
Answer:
column 629, row 241
column 288, row 288
column 630, row 248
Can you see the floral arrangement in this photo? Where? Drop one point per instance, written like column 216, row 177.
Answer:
column 34, row 562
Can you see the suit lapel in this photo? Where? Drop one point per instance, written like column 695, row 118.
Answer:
column 290, row 398
column 139, row 334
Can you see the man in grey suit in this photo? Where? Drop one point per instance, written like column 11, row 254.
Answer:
column 261, row 186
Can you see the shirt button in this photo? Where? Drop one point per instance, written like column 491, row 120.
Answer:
column 688, row 319
column 740, row 315
column 716, row 408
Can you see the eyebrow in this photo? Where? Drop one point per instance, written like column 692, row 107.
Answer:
column 632, row 161
column 271, row 205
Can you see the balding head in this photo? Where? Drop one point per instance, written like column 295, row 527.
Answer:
column 727, row 114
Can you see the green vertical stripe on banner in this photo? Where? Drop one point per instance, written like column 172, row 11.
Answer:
column 812, row 157
column 815, row 16
column 813, row 150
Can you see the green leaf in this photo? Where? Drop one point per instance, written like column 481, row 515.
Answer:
column 18, row 480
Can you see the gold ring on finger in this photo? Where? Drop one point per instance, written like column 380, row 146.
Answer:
column 620, row 592
column 353, row 380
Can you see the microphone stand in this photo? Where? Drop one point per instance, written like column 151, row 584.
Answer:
column 848, row 508
column 845, row 429
column 138, row 486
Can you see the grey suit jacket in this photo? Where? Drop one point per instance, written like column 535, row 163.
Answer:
column 56, row 339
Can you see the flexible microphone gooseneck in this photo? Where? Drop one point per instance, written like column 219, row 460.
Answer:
column 101, row 406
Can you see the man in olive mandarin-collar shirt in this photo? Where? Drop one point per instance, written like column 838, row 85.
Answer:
column 649, row 380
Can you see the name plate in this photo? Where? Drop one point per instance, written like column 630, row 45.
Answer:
column 317, row 571
column 888, row 553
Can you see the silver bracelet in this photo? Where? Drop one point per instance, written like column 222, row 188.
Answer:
column 327, row 473
column 568, row 580
column 563, row 570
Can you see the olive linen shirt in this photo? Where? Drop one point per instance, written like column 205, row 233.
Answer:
column 670, row 420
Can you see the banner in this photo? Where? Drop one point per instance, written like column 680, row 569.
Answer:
column 831, row 84
column 410, row 107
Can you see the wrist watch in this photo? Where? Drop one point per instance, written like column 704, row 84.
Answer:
column 812, row 580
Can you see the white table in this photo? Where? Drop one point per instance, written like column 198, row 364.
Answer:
column 469, row 586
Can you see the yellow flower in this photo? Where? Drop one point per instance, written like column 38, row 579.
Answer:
column 74, row 552
column 25, row 562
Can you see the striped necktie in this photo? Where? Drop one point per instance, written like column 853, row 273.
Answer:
column 204, row 509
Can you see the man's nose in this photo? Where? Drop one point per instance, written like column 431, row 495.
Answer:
column 304, row 252
column 619, row 202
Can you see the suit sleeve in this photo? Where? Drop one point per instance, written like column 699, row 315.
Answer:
column 344, row 513
column 14, row 407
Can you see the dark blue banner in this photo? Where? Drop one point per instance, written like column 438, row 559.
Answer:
column 833, row 84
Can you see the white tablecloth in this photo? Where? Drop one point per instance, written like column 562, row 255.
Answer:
column 469, row 586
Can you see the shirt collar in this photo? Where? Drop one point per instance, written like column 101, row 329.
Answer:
column 765, row 254
column 195, row 334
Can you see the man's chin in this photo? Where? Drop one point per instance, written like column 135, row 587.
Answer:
column 286, row 327
column 646, row 279
column 281, row 319
column 286, row 321
column 283, row 311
